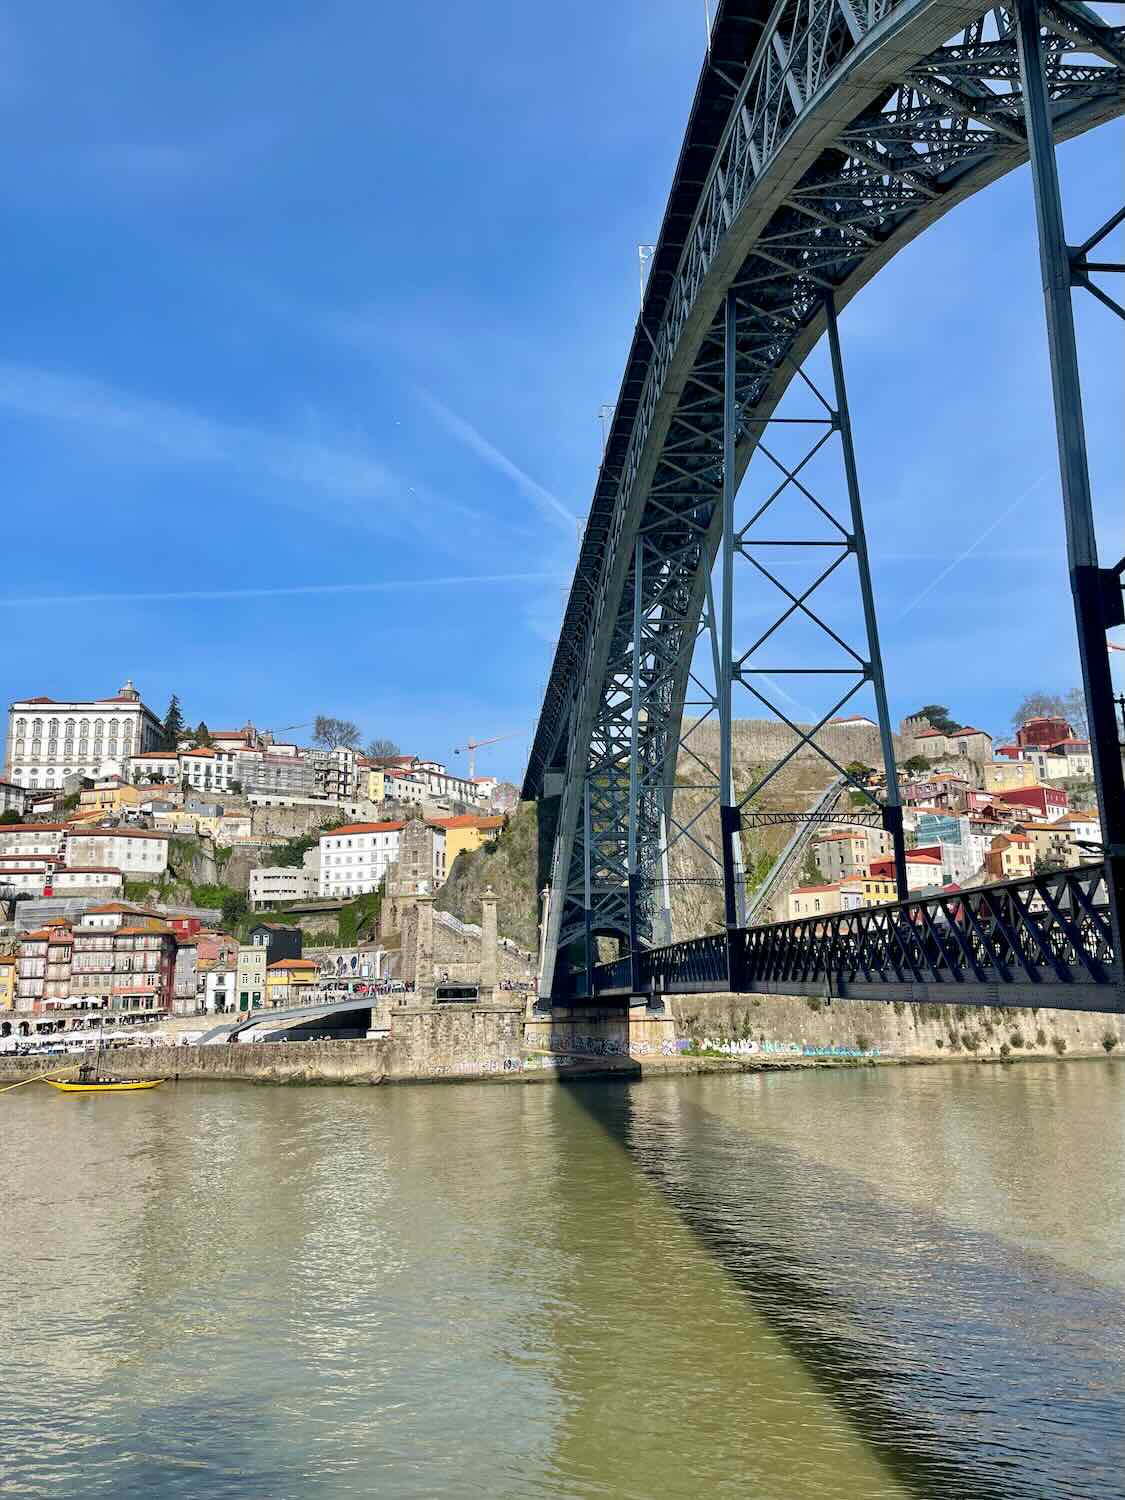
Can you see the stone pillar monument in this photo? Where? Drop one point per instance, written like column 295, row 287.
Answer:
column 488, row 947
column 424, row 950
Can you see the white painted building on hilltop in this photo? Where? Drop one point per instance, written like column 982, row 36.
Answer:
column 355, row 857
column 49, row 740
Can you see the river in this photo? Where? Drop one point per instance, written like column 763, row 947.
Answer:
column 867, row 1283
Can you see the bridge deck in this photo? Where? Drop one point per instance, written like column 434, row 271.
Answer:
column 1040, row 941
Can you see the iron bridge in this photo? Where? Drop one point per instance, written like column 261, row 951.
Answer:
column 824, row 135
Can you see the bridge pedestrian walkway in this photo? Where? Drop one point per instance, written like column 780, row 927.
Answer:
column 1046, row 940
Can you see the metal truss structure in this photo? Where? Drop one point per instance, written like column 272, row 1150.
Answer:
column 1042, row 941
column 824, row 136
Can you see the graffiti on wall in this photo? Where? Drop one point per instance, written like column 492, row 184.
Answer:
column 750, row 1048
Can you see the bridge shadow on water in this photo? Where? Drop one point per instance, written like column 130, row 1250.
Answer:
column 972, row 1367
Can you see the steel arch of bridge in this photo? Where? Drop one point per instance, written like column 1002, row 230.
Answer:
column 825, row 135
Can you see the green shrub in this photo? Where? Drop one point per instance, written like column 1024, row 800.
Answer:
column 1109, row 1041
column 1005, row 1050
column 1040, row 1038
column 1059, row 1044
column 813, row 1003
column 1016, row 1038
column 900, row 1007
column 954, row 1041
column 970, row 1041
column 940, row 1042
column 863, row 1042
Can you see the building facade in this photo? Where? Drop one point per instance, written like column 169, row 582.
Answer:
column 355, row 857
column 50, row 741
column 250, row 975
column 839, row 855
column 133, row 851
column 277, row 885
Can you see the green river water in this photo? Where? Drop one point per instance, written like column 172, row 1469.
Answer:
column 877, row 1282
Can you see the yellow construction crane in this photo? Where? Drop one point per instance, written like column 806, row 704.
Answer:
column 472, row 746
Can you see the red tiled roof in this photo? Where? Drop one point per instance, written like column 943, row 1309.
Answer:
column 827, row 837
column 33, row 828
column 466, row 820
column 118, row 833
column 363, row 828
column 293, row 963
column 924, row 734
column 90, row 870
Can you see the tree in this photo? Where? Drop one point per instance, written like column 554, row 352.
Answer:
column 915, row 764
column 858, row 771
column 334, row 734
column 1039, row 705
column 10, row 816
column 236, row 788
column 1076, row 712
column 173, row 725
column 202, row 735
column 382, row 749
column 234, row 908
column 937, row 716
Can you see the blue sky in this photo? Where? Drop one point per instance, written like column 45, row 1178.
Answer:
column 327, row 299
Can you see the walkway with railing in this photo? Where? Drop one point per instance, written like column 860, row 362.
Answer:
column 1046, row 940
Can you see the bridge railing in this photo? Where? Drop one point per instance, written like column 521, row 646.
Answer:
column 1048, row 935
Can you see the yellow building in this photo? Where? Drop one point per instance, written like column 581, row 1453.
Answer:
column 288, row 978
column 1050, row 842
column 8, row 968
column 376, row 783
column 873, row 890
column 466, row 831
column 1009, row 775
column 109, row 796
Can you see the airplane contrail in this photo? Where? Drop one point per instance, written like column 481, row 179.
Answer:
column 969, row 550
column 391, row 586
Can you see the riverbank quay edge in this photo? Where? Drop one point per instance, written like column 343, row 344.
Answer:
column 697, row 1033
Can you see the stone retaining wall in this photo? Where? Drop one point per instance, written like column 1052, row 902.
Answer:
column 903, row 1030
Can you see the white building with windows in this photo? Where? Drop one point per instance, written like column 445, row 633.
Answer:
column 33, row 838
column 153, row 765
column 355, row 857
column 134, row 851
column 276, row 885
column 49, row 741
column 209, row 770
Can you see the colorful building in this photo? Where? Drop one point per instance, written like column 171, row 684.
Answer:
column 288, row 979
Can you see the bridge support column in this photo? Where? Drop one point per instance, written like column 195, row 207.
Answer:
column 424, row 989
column 634, row 759
column 489, row 946
column 892, row 808
column 730, row 815
column 1096, row 591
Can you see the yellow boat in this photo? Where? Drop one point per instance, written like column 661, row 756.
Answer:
column 103, row 1085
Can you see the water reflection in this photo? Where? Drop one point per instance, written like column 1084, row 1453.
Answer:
column 827, row 1285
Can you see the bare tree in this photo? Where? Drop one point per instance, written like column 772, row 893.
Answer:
column 382, row 749
column 1039, row 705
column 332, row 734
column 1076, row 712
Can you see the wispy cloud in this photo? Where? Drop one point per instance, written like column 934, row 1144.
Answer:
column 175, row 433
column 397, row 585
column 972, row 547
column 477, row 443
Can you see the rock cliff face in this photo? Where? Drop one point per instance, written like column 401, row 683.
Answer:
column 509, row 867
